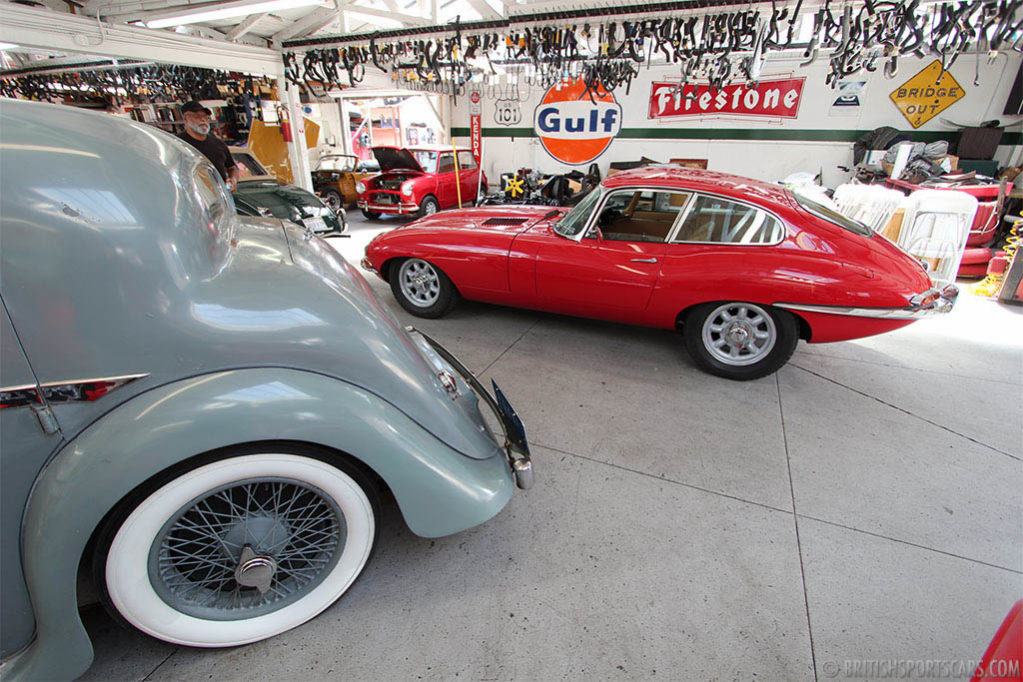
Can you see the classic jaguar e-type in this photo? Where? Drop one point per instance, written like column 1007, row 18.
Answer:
column 744, row 268
column 177, row 416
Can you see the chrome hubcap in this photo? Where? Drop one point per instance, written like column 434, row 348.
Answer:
column 247, row 549
column 430, row 208
column 739, row 334
column 419, row 282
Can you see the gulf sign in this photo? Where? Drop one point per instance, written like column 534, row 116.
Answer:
column 774, row 98
column 574, row 128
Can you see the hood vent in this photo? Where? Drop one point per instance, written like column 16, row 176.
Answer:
column 504, row 221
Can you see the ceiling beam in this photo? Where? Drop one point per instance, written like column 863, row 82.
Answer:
column 485, row 10
column 315, row 20
column 61, row 32
column 407, row 19
column 247, row 25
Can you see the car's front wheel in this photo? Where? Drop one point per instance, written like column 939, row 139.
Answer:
column 740, row 341
column 238, row 549
column 428, row 206
column 422, row 288
column 333, row 199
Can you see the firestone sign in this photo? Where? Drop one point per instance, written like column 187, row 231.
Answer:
column 774, row 98
column 573, row 127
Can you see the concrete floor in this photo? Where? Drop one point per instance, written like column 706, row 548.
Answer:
column 866, row 502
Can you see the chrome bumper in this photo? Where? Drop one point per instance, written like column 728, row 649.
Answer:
column 366, row 265
column 394, row 209
column 515, row 447
column 931, row 302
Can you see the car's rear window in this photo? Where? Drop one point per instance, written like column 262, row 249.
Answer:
column 832, row 216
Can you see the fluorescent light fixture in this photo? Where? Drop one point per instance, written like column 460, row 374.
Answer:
column 7, row 46
column 226, row 11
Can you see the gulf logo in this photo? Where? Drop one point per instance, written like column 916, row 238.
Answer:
column 573, row 128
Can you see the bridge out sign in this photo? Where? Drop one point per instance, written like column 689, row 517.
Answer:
column 924, row 96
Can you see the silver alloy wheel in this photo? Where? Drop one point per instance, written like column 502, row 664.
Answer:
column 246, row 549
column 419, row 282
column 739, row 334
column 430, row 208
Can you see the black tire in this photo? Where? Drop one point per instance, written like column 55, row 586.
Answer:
column 107, row 535
column 428, row 206
column 710, row 349
column 434, row 306
column 334, row 200
column 371, row 215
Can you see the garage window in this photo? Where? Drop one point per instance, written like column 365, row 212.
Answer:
column 720, row 221
column 640, row 215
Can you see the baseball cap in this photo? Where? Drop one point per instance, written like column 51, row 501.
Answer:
column 194, row 106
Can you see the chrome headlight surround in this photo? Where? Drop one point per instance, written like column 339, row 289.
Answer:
column 360, row 187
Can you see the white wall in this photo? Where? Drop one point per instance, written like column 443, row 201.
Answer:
column 768, row 160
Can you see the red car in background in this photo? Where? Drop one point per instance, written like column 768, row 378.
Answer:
column 420, row 181
column 744, row 268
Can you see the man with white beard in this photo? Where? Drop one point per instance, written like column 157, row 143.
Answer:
column 197, row 133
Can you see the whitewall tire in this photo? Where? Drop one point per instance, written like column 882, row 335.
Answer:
column 241, row 549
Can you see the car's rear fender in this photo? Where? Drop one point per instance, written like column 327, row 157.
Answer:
column 438, row 490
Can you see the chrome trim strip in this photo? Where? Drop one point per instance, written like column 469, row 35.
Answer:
column 22, row 387
column 123, row 377
column 942, row 301
column 882, row 313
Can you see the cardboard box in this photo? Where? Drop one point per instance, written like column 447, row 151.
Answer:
column 949, row 162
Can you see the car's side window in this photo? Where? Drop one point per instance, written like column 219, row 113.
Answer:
column 720, row 221
column 466, row 161
column 210, row 189
column 446, row 163
column 640, row 215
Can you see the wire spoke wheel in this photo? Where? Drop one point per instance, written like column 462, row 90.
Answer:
column 239, row 549
column 419, row 282
column 246, row 549
column 739, row 334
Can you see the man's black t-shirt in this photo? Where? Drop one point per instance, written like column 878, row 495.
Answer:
column 214, row 149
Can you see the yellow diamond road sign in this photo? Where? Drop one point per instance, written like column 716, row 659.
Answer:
column 922, row 97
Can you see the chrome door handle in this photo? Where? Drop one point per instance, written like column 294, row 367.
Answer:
column 644, row 260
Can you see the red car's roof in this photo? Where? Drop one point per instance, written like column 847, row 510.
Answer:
column 675, row 177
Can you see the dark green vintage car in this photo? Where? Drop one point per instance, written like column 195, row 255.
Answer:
column 267, row 197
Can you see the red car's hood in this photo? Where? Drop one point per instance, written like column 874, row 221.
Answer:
column 494, row 218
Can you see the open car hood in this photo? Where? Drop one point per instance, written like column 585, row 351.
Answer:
column 393, row 158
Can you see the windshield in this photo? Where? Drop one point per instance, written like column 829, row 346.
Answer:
column 426, row 159
column 832, row 216
column 336, row 163
column 575, row 220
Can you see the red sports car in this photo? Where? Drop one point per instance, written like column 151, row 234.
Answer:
column 420, row 181
column 744, row 268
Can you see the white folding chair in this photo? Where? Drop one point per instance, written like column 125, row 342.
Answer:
column 872, row 205
column 935, row 227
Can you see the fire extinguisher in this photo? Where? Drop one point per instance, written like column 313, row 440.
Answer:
column 282, row 114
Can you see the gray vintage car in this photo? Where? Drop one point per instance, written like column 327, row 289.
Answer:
column 202, row 409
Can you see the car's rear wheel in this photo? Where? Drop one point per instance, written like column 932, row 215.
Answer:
column 238, row 549
column 334, row 200
column 428, row 206
column 422, row 288
column 740, row 341
column 371, row 215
